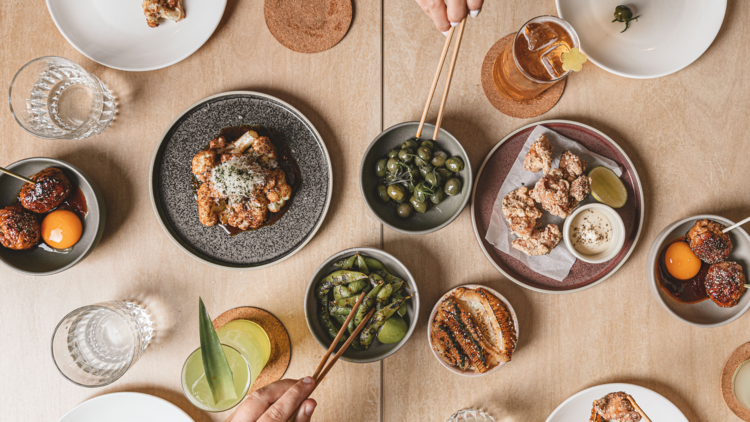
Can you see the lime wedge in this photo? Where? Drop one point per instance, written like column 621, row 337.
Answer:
column 607, row 188
column 393, row 330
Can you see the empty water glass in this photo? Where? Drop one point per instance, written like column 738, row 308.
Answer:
column 471, row 415
column 55, row 98
column 95, row 345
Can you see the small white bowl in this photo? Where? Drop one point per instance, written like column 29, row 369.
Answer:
column 432, row 317
column 618, row 234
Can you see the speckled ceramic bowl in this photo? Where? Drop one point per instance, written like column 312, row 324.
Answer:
column 172, row 191
column 377, row 351
column 706, row 313
column 38, row 261
column 436, row 217
column 432, row 317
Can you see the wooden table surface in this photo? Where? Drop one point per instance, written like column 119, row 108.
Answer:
column 686, row 134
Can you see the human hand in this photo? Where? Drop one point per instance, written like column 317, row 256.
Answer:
column 450, row 15
column 276, row 402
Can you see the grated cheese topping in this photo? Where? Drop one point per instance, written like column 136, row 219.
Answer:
column 238, row 178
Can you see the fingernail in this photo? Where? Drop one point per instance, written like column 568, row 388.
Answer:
column 309, row 409
column 454, row 23
column 474, row 13
column 307, row 380
column 446, row 32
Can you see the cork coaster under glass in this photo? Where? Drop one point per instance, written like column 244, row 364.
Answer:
column 733, row 373
column 522, row 110
column 281, row 346
column 308, row 26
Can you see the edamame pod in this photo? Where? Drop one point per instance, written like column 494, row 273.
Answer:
column 377, row 321
column 337, row 292
column 338, row 278
column 375, row 265
column 346, row 263
column 384, row 294
column 325, row 320
column 340, row 310
column 362, row 264
column 349, row 301
column 355, row 287
column 367, row 303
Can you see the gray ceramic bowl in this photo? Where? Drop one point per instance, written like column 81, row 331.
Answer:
column 706, row 313
column 38, row 261
column 377, row 351
column 436, row 217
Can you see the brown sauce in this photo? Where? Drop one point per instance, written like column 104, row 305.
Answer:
column 286, row 162
column 688, row 291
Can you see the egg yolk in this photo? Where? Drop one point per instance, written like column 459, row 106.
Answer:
column 681, row 261
column 61, row 229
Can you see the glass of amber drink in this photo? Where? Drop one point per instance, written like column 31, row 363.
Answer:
column 532, row 63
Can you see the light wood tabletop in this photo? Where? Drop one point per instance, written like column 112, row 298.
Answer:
column 687, row 135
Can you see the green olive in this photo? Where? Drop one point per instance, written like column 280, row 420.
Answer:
column 411, row 187
column 452, row 186
column 454, row 164
column 380, row 167
column 438, row 158
column 424, row 153
column 433, row 178
column 420, row 162
column 397, row 193
column 420, row 196
column 404, row 210
column 414, row 171
column 419, row 206
column 411, row 144
column 393, row 153
column 392, row 165
column 406, row 155
column 423, row 170
column 623, row 13
column 438, row 197
column 383, row 194
column 427, row 144
column 390, row 178
column 444, row 173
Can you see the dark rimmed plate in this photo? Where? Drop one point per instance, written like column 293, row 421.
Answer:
column 491, row 176
column 172, row 194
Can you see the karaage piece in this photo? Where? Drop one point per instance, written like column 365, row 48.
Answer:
column 616, row 407
column 579, row 190
column 157, row 9
column 725, row 283
column 708, row 242
column 553, row 192
column 571, row 165
column 521, row 212
column 541, row 242
column 539, row 156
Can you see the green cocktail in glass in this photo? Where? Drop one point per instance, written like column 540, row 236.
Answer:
column 247, row 348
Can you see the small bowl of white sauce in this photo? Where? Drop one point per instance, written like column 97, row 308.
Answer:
column 594, row 233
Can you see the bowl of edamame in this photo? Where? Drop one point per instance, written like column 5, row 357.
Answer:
column 415, row 186
column 390, row 289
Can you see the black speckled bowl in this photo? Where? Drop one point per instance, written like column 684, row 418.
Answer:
column 38, row 261
column 171, row 176
column 436, row 217
column 377, row 351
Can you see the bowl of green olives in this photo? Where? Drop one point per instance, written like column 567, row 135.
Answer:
column 390, row 289
column 415, row 186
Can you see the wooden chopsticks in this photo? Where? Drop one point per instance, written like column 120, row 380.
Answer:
column 443, row 101
column 17, row 176
column 322, row 369
column 638, row 408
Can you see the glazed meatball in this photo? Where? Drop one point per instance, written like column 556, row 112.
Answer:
column 708, row 242
column 50, row 189
column 725, row 283
column 19, row 228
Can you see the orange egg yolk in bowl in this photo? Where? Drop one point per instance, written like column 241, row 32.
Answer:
column 681, row 262
column 61, row 229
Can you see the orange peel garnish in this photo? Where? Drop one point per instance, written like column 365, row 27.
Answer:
column 573, row 60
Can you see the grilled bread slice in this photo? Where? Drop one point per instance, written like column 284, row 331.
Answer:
column 493, row 318
column 448, row 348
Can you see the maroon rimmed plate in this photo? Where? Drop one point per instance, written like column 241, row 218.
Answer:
column 491, row 176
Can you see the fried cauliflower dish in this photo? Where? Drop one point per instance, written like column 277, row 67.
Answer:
column 240, row 182
column 158, row 9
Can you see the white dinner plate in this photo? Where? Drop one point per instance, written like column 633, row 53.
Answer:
column 115, row 34
column 126, row 407
column 578, row 407
column 669, row 35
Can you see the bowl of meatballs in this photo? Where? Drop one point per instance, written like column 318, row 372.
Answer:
column 50, row 225
column 698, row 272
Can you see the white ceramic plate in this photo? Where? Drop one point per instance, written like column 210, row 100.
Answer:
column 126, row 407
column 115, row 34
column 578, row 407
column 669, row 35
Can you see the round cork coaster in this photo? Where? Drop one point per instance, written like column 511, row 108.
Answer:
column 740, row 355
column 308, row 26
column 281, row 346
column 522, row 110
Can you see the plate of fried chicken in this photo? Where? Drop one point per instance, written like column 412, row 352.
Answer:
column 617, row 403
column 241, row 180
column 538, row 184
